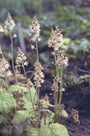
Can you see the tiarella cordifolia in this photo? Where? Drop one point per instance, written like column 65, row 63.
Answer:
column 38, row 74
column 21, row 59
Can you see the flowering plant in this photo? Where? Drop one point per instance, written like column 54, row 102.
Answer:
column 22, row 111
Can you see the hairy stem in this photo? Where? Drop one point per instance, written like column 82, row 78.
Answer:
column 12, row 52
column 60, row 96
column 37, row 87
column 56, row 91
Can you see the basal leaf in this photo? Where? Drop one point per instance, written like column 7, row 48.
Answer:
column 32, row 95
column 58, row 130
column 49, row 119
column 44, row 131
column 34, row 132
column 27, row 104
column 3, row 119
column 7, row 102
column 18, row 88
column 20, row 116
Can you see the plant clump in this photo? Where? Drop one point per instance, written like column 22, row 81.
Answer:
column 20, row 102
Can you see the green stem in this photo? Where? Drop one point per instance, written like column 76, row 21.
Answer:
column 60, row 96
column 37, row 87
column 37, row 51
column 56, row 91
column 6, row 86
column 12, row 52
column 45, row 120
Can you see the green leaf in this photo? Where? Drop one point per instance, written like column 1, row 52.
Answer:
column 32, row 95
column 3, row 119
column 34, row 132
column 18, row 88
column 27, row 104
column 21, row 116
column 44, row 131
column 54, row 129
column 7, row 103
column 49, row 119
column 58, row 130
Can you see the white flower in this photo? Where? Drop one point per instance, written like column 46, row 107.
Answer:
column 1, row 29
column 9, row 23
column 21, row 59
column 38, row 75
column 56, row 39
column 34, row 30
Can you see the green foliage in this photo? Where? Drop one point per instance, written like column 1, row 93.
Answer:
column 3, row 118
column 21, row 116
column 26, row 6
column 32, row 95
column 76, row 49
column 48, row 119
column 7, row 106
column 33, row 132
column 7, row 102
column 72, row 79
column 44, row 131
column 53, row 129
column 15, row 7
column 18, row 88
column 58, row 130
column 79, row 48
column 21, row 104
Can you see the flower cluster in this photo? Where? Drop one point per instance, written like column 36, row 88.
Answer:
column 4, row 64
column 9, row 23
column 4, row 67
column 38, row 75
column 55, row 84
column 1, row 50
column 1, row 29
column 56, row 39
column 62, row 60
column 21, row 59
column 34, row 30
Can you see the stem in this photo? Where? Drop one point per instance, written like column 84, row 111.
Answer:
column 37, row 51
column 37, row 87
column 15, row 75
column 6, row 86
column 60, row 96
column 56, row 91
column 38, row 117
column 12, row 52
column 45, row 120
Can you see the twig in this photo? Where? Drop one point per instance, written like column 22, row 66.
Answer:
column 81, row 70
